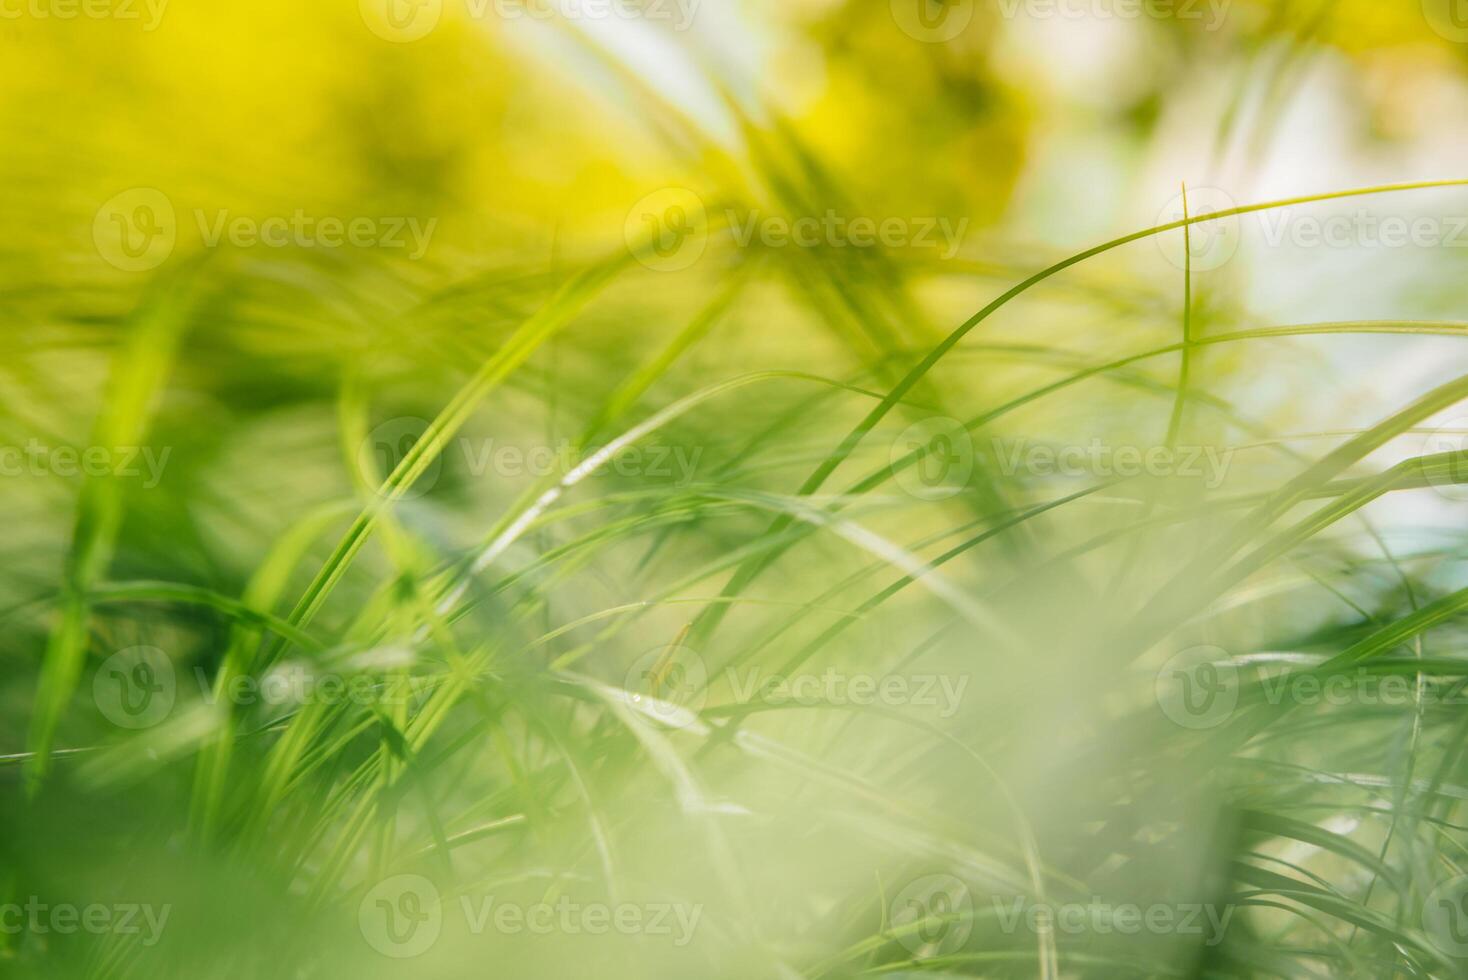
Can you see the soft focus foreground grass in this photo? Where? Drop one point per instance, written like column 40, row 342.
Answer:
column 810, row 670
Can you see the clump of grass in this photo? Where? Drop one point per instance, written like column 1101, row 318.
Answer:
column 804, row 711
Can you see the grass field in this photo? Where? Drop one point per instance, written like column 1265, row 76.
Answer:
column 805, row 490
